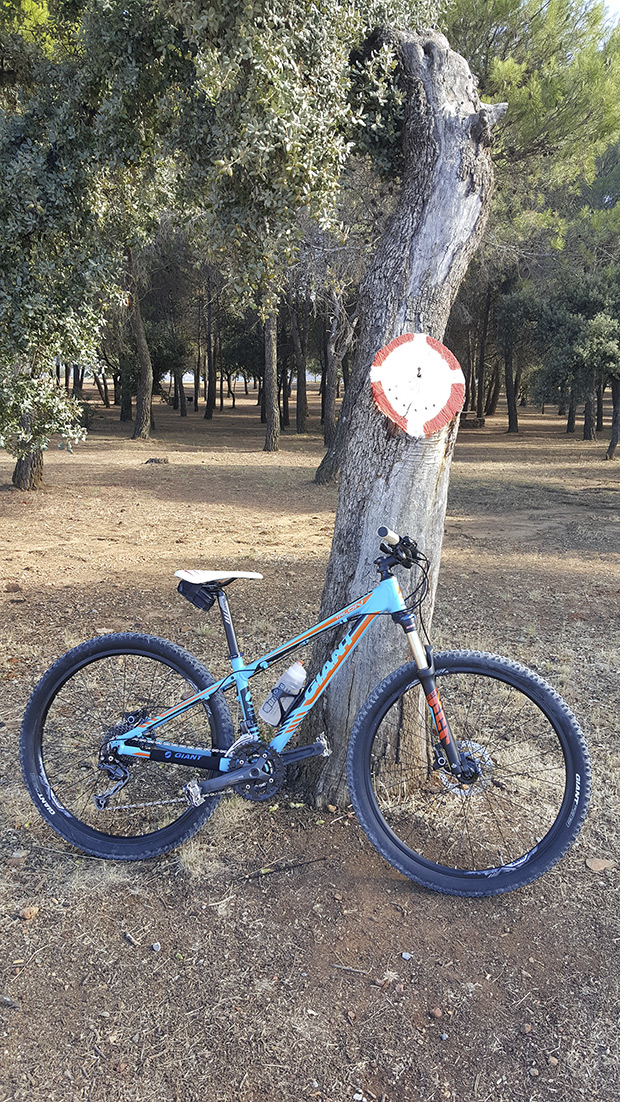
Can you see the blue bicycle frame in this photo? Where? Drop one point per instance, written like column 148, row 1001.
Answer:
column 140, row 741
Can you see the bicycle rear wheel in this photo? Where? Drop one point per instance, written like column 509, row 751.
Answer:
column 89, row 694
column 514, row 820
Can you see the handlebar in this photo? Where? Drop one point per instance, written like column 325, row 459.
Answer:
column 400, row 550
column 388, row 536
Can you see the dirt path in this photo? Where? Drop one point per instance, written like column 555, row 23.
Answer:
column 292, row 984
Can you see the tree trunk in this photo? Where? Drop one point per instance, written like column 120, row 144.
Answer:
column 493, row 395
column 338, row 342
column 600, row 390
column 142, row 427
column 126, row 413
column 482, row 351
column 467, row 370
column 211, row 379
column 285, row 419
column 102, row 387
column 589, row 418
column 78, row 380
column 300, row 337
column 615, row 417
column 28, row 473
column 572, row 411
column 511, row 397
column 270, row 386
column 198, row 364
column 230, row 389
column 410, row 286
column 180, row 392
column 562, row 401
column 331, row 377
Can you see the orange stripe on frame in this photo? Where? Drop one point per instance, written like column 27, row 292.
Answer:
column 354, row 638
column 335, row 619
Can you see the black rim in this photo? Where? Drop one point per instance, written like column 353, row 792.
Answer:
column 454, row 825
column 70, row 734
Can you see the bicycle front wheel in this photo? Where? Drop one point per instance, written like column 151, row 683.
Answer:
column 92, row 693
column 508, row 825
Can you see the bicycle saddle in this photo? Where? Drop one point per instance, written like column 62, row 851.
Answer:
column 203, row 577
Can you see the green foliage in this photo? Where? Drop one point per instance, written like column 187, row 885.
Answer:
column 558, row 66
column 33, row 409
column 83, row 175
column 571, row 336
column 24, row 17
column 277, row 115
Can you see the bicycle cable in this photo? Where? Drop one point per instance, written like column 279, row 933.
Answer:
column 415, row 599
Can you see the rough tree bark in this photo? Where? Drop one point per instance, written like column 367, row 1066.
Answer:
column 409, row 287
column 270, row 385
column 142, row 426
column 28, row 471
column 300, row 341
column 615, row 419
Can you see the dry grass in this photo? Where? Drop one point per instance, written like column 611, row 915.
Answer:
column 290, row 983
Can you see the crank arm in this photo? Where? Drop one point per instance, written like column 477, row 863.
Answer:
column 318, row 749
column 251, row 772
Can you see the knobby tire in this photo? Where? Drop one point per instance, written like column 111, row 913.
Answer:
column 530, row 796
column 85, row 694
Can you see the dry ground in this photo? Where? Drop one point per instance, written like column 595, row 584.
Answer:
column 291, row 984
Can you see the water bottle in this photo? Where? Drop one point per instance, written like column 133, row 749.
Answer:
column 282, row 695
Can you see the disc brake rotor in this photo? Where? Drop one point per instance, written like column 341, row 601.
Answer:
column 483, row 763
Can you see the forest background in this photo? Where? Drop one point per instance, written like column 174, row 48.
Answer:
column 189, row 191
column 156, row 219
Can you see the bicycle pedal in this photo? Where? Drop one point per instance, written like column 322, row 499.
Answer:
column 323, row 742
column 193, row 794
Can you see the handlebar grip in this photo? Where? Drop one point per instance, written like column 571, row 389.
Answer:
column 388, row 535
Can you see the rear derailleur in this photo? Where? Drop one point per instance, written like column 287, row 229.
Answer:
column 109, row 760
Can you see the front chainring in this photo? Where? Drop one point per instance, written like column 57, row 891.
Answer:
column 272, row 768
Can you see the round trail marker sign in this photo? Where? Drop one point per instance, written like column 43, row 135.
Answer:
column 417, row 383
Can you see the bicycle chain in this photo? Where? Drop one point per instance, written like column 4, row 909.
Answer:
column 151, row 803
column 161, row 803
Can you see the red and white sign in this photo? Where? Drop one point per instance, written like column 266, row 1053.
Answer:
column 417, row 383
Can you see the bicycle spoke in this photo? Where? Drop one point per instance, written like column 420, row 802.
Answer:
column 92, row 702
column 518, row 761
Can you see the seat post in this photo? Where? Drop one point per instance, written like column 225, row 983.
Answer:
column 231, row 638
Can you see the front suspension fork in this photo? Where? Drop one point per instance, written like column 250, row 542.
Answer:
column 423, row 658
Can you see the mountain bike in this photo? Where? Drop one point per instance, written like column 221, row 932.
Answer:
column 466, row 771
